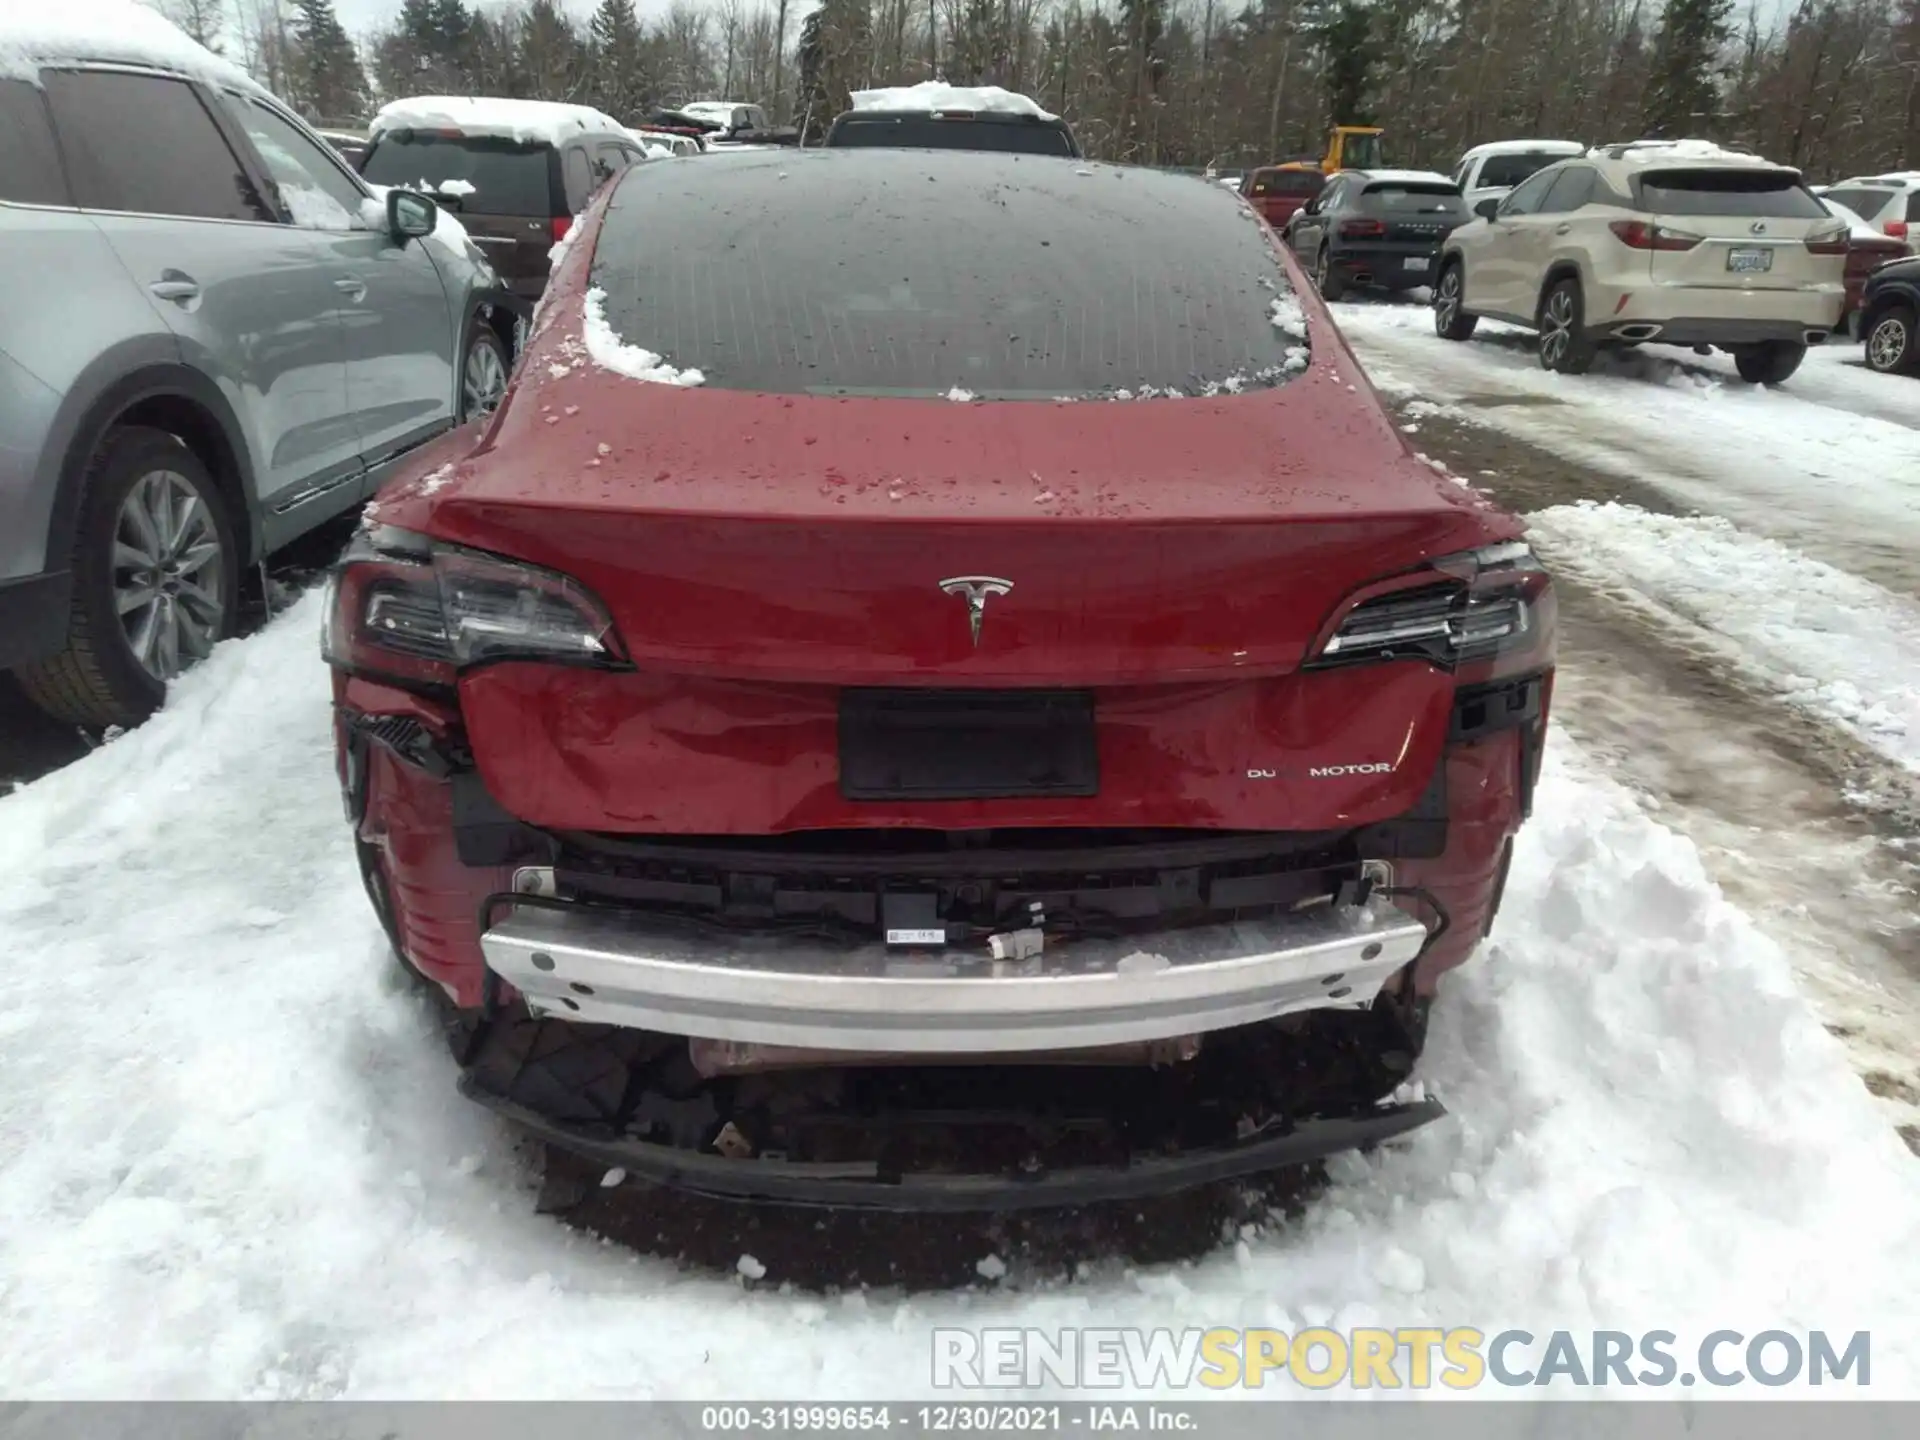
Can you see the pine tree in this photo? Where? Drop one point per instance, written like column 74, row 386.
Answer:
column 1343, row 31
column 835, row 58
column 1682, row 96
column 326, row 79
column 549, row 52
column 622, row 84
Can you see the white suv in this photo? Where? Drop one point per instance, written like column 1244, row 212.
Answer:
column 1889, row 203
column 1668, row 242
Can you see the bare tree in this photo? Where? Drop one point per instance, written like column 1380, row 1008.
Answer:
column 204, row 21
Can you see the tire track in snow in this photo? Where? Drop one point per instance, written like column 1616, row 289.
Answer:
column 1806, row 826
column 1840, row 486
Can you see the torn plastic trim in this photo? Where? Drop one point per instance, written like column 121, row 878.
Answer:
column 859, row 1185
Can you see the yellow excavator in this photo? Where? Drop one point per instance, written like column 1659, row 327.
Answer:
column 1349, row 147
column 1353, row 147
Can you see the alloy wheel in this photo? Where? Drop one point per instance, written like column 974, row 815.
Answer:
column 1557, row 334
column 1887, row 343
column 1447, row 301
column 169, row 574
column 486, row 379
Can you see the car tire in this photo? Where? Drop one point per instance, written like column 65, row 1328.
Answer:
column 1770, row 363
column 1326, row 279
column 1565, row 346
column 1892, row 348
column 483, row 373
column 1450, row 318
column 146, row 493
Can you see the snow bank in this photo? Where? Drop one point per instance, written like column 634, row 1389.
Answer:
column 931, row 95
column 1826, row 464
column 31, row 35
column 525, row 120
column 610, row 352
column 1831, row 643
column 232, row 1141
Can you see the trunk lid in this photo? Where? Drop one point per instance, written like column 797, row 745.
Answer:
column 802, row 538
column 794, row 575
column 1752, row 222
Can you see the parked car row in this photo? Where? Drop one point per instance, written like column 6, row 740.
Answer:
column 1650, row 242
column 1381, row 228
column 218, row 337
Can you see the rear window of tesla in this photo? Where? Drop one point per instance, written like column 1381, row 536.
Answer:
column 508, row 177
column 901, row 273
column 1772, row 193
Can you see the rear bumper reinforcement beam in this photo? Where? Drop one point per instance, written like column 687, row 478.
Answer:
column 623, row 968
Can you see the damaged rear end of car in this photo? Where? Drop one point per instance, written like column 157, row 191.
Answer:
column 902, row 772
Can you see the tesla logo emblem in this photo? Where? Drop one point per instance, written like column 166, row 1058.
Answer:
column 976, row 590
column 1759, row 227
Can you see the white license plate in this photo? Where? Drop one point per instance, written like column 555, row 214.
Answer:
column 1417, row 262
column 1750, row 258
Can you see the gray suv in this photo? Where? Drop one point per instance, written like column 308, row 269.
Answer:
column 213, row 337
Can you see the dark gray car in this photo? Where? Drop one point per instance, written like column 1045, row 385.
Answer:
column 1382, row 228
column 214, row 337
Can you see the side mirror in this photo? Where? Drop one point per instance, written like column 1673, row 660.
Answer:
column 1488, row 208
column 410, row 216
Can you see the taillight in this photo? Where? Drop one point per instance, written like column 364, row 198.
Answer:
column 1488, row 605
column 1639, row 235
column 1828, row 242
column 561, row 225
column 417, row 611
column 1897, row 229
column 1360, row 229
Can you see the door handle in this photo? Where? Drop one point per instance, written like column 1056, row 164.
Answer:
column 176, row 287
column 354, row 290
column 1562, row 229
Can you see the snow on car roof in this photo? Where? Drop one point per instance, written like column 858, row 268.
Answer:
column 1658, row 152
column 1407, row 177
column 712, row 107
column 1525, row 147
column 525, row 120
column 932, row 95
column 114, row 30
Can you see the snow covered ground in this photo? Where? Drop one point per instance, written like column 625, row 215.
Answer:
column 1835, row 644
column 1828, row 464
column 1804, row 553
column 229, row 1138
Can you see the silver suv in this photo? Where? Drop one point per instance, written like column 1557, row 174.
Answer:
column 1654, row 242
column 213, row 337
